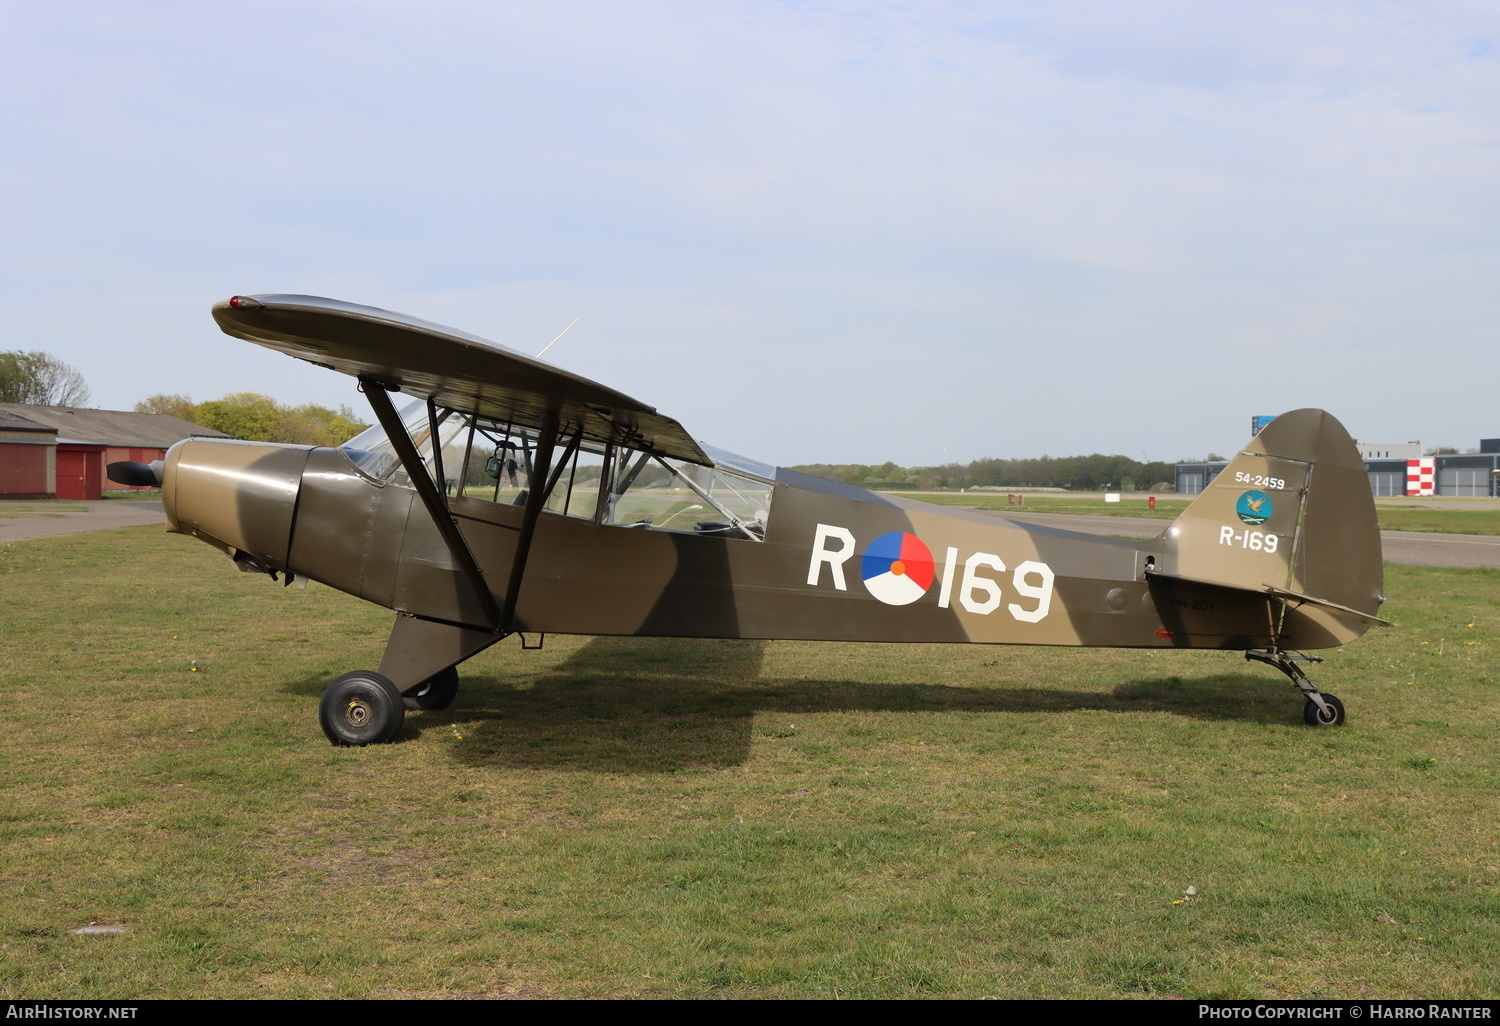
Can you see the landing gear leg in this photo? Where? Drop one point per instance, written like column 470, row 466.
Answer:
column 1322, row 710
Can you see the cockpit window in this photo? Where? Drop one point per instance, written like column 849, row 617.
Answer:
column 500, row 463
column 605, row 483
column 647, row 491
column 372, row 452
column 726, row 460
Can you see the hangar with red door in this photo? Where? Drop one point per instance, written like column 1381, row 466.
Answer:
column 61, row 451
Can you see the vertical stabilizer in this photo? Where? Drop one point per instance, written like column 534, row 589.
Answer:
column 1292, row 515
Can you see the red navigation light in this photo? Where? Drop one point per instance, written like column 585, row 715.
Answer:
column 243, row 303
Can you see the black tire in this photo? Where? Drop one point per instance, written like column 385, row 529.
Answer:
column 1315, row 717
column 361, row 708
column 436, row 692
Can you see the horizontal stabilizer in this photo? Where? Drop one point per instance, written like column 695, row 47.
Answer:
column 453, row 368
column 1293, row 597
column 1308, row 600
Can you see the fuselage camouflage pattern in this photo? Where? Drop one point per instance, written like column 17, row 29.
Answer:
column 558, row 530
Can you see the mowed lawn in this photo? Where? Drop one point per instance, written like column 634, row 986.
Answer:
column 644, row 818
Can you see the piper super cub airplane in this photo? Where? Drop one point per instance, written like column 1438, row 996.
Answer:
column 516, row 497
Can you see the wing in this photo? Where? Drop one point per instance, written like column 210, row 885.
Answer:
column 453, row 368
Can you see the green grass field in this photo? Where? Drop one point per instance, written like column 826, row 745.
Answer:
column 634, row 818
column 1440, row 520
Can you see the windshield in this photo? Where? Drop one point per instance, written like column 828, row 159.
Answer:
column 372, row 452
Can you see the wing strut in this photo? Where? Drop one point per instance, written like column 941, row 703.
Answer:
column 437, row 452
column 433, row 500
column 537, row 497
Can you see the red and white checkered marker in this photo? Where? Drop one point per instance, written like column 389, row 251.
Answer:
column 1421, row 476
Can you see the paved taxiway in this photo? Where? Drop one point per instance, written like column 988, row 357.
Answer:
column 19, row 520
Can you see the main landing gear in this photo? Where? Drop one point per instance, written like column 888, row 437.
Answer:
column 1322, row 710
column 361, row 708
column 366, row 708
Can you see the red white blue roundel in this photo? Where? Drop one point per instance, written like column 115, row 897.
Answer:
column 897, row 568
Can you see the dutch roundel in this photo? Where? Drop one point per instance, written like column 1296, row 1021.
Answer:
column 897, row 568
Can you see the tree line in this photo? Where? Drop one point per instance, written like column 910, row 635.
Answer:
column 259, row 418
column 1095, row 472
column 42, row 379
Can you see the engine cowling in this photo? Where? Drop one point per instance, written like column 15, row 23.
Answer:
column 240, row 497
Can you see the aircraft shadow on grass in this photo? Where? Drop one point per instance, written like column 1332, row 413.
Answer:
column 650, row 705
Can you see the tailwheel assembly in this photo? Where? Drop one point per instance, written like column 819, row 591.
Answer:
column 1330, row 715
column 1322, row 710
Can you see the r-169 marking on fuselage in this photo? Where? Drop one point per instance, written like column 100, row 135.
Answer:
column 977, row 594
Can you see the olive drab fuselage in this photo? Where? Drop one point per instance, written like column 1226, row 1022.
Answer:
column 514, row 497
column 311, row 513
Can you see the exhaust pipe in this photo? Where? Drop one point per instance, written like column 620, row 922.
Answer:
column 132, row 472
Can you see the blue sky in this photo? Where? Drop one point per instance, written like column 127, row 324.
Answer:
column 810, row 231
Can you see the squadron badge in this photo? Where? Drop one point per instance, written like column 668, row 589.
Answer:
column 1254, row 508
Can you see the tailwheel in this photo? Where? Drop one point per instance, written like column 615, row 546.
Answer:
column 361, row 708
column 436, row 692
column 1322, row 709
column 1332, row 715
